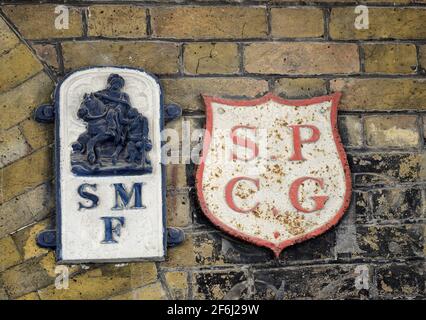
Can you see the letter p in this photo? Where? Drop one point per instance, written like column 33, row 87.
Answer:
column 298, row 141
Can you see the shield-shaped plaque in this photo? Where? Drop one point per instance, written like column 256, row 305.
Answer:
column 273, row 171
column 110, row 179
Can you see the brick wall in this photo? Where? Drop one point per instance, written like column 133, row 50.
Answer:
column 228, row 48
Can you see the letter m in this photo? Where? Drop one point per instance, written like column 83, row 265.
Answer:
column 123, row 198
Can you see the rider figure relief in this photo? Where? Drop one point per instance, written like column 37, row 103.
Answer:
column 116, row 139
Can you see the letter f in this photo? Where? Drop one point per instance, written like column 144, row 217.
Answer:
column 112, row 229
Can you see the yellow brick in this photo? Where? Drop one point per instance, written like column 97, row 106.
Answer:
column 178, row 209
column 210, row 58
column 12, row 146
column 100, row 283
column 9, row 253
column 187, row 92
column 384, row 23
column 26, row 173
column 297, row 22
column 300, row 88
column 390, row 58
column 176, row 175
column 8, row 39
column 48, row 54
column 143, row 273
column 16, row 66
column 422, row 57
column 209, row 22
column 29, row 296
column 391, row 131
column 181, row 255
column 3, row 294
column 26, row 209
column 48, row 264
column 19, row 103
column 114, row 21
column 157, row 57
column 152, row 292
column 381, row 94
column 38, row 21
column 177, row 283
column 301, row 58
column 25, row 240
column 26, row 277
column 37, row 134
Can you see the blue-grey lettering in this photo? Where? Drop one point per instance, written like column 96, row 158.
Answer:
column 123, row 198
column 94, row 199
column 113, row 227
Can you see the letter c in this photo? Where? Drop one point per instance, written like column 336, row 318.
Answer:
column 230, row 188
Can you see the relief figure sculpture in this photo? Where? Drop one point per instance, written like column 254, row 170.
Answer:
column 116, row 140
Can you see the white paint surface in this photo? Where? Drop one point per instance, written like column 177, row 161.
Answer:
column 273, row 169
column 82, row 231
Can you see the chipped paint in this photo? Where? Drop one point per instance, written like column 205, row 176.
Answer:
column 252, row 195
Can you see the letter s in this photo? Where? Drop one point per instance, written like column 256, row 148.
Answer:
column 87, row 195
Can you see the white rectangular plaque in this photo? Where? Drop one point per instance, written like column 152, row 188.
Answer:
column 110, row 180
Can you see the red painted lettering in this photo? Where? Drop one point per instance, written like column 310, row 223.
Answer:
column 294, row 195
column 298, row 141
column 229, row 189
column 244, row 142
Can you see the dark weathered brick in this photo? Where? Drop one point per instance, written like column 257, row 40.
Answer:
column 216, row 248
column 312, row 282
column 390, row 241
column 318, row 248
column 399, row 203
column 218, row 285
column 388, row 167
column 362, row 206
column 401, row 280
column 350, row 128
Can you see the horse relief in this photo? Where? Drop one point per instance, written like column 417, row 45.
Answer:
column 116, row 140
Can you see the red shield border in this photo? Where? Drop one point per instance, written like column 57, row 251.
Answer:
column 276, row 248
